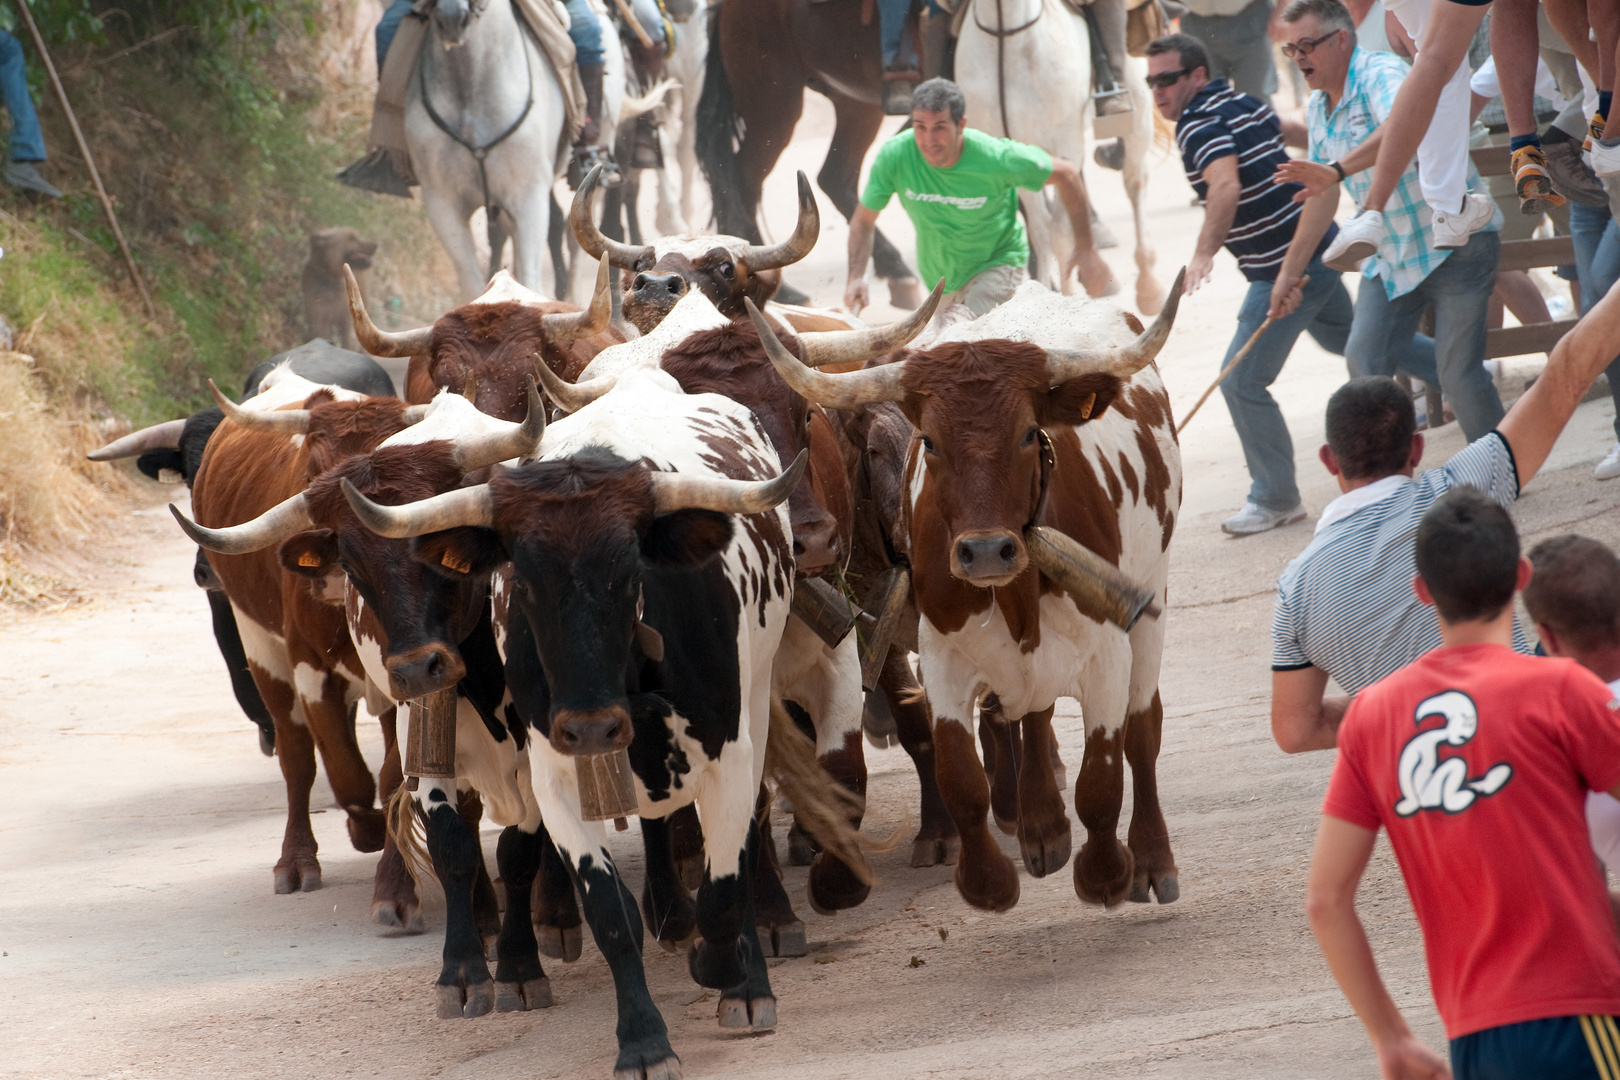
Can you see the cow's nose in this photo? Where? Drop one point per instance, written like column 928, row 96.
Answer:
column 815, row 546
column 594, row 731
column 990, row 557
column 424, row 670
column 670, row 284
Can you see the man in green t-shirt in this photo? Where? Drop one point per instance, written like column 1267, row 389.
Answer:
column 960, row 187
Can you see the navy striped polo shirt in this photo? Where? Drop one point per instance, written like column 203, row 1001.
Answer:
column 1220, row 122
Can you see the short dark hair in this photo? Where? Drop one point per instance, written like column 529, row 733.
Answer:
column 1468, row 556
column 1190, row 49
column 1370, row 425
column 939, row 95
column 1576, row 590
column 1330, row 13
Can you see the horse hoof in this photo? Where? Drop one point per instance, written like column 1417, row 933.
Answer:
column 560, row 943
column 522, row 997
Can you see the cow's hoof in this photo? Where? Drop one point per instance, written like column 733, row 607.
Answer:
column 454, row 1003
column 716, row 967
column 1165, row 888
column 667, row 1069
column 560, row 943
column 1045, row 854
column 297, row 873
column 833, row 887
column 367, row 828
column 990, row 883
column 521, row 997
column 757, row 1013
column 398, row 915
column 801, row 849
column 1103, row 873
column 1006, row 825
column 936, row 850
column 788, row 939
column 690, row 871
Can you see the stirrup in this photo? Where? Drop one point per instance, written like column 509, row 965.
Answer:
column 584, row 158
column 1113, row 112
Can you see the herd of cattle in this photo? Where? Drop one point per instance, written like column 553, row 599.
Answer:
column 666, row 564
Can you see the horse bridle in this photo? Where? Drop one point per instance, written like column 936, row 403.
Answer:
column 1001, row 34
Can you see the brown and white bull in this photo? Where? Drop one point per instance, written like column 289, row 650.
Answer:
column 1046, row 411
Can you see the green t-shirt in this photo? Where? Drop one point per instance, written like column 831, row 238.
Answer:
column 966, row 216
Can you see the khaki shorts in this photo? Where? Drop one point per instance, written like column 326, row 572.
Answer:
column 988, row 289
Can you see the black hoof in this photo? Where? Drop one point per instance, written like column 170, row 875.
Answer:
column 1167, row 890
column 667, row 1069
column 1045, row 855
column 936, row 851
column 787, row 939
column 560, row 943
column 801, row 849
column 301, row 873
column 453, row 1003
column 521, row 997
column 757, row 1013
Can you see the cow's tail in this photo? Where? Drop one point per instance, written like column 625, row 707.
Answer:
column 719, row 135
column 822, row 805
column 405, row 830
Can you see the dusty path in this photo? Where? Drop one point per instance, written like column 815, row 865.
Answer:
column 141, row 938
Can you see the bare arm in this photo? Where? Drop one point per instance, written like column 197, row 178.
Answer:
column 1308, row 232
column 1302, row 718
column 862, row 228
column 1294, row 133
column 1534, row 423
column 1220, row 207
column 1317, row 177
column 1340, row 858
column 1071, row 189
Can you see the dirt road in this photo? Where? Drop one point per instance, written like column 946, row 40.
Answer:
column 140, row 937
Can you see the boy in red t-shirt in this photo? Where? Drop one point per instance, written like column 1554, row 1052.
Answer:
column 1477, row 761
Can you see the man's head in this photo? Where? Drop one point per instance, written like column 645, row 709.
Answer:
column 937, row 109
column 1178, row 67
column 1371, row 432
column 1468, row 563
column 1321, row 37
column 1574, row 599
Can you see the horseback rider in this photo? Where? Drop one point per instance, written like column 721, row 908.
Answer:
column 960, row 187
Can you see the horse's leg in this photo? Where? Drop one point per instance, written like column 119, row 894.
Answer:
column 1149, row 292
column 856, row 129
column 1045, row 226
column 448, row 216
column 530, row 227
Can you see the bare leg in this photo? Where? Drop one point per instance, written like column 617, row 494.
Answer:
column 1513, row 44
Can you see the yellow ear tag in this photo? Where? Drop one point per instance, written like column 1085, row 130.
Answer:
column 1085, row 410
column 309, row 558
column 459, row 565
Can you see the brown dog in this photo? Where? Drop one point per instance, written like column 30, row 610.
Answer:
column 326, row 305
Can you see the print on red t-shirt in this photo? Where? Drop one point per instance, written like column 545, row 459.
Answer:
column 1477, row 761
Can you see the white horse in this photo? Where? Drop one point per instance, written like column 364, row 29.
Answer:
column 1025, row 68
column 677, row 206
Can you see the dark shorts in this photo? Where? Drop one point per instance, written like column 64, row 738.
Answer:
column 1566, row 1047
column 1471, row 3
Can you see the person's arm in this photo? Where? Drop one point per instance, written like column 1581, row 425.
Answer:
column 1317, row 178
column 1220, row 208
column 1313, row 224
column 1534, row 423
column 1302, row 716
column 862, row 228
column 1340, row 858
column 1294, row 133
column 1071, row 188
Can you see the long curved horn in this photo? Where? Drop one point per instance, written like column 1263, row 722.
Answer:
column 463, row 506
column 823, row 347
column 381, row 342
column 572, row 397
column 566, row 326
column 770, row 256
column 1065, row 364
column 477, row 451
column 291, row 421
column 157, row 437
column 623, row 256
column 677, row 491
column 848, row 391
column 274, row 525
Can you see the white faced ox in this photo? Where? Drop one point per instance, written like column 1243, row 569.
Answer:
column 1043, row 371
column 646, row 509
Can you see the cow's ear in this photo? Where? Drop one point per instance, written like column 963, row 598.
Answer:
column 1079, row 401
column 686, row 537
column 460, row 553
column 312, row 554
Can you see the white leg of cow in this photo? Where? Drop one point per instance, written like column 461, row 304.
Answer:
column 1149, row 291
column 1144, row 723
column 1102, row 872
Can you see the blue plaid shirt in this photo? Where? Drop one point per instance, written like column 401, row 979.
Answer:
column 1408, row 254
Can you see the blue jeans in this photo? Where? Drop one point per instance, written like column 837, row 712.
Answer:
column 1597, row 266
column 892, row 30
column 583, row 27
column 1267, row 448
column 388, row 26
column 27, row 141
column 1460, row 290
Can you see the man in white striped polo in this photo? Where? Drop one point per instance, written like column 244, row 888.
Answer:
column 1346, row 608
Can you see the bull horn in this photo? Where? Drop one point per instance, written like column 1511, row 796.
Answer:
column 274, row 525
column 848, row 391
column 825, row 347
column 290, row 421
column 477, row 451
column 566, row 326
column 1065, row 364
column 623, row 256
column 770, row 256
column 571, row 397
column 1097, row 586
column 380, row 342
column 678, row 491
column 473, row 506
column 157, row 437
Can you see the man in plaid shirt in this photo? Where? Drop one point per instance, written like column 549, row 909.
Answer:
column 1354, row 92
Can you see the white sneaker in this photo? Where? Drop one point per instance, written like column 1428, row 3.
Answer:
column 1609, row 467
column 1451, row 231
column 1254, row 518
column 1358, row 238
column 1605, row 157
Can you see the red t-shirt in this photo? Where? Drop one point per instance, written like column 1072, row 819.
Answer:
column 1477, row 760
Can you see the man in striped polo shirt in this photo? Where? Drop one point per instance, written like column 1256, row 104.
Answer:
column 1231, row 144
column 1346, row 608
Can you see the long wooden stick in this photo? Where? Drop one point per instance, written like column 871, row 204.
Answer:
column 84, row 151
column 1233, row 363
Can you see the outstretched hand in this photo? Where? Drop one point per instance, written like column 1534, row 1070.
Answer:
column 1408, row 1058
column 1317, row 178
column 857, row 295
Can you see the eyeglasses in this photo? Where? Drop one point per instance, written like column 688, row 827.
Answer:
column 1164, row 80
column 1305, row 47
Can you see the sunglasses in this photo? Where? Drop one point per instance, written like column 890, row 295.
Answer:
column 1164, row 80
column 1305, row 47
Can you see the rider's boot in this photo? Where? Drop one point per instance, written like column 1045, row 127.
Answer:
column 1109, row 18
column 590, row 148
